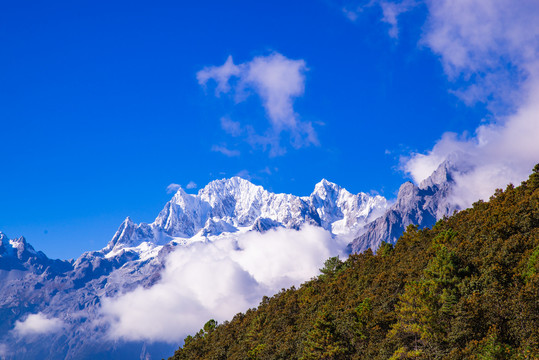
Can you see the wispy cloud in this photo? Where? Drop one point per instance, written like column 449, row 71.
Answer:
column 278, row 81
column 3, row 350
column 221, row 75
column 391, row 10
column 245, row 174
column 231, row 127
column 172, row 188
column 36, row 324
column 225, row 151
column 191, row 185
column 217, row 280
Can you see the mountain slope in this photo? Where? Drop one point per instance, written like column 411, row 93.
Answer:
column 468, row 288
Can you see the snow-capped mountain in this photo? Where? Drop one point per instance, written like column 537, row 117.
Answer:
column 70, row 292
column 236, row 205
column 342, row 212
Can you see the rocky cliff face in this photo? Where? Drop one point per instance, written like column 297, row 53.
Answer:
column 420, row 205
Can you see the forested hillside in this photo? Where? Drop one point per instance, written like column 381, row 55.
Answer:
column 466, row 289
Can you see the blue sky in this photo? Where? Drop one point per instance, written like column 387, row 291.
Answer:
column 101, row 109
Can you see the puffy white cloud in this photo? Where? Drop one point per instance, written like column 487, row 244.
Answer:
column 496, row 155
column 278, row 81
column 37, row 324
column 217, row 280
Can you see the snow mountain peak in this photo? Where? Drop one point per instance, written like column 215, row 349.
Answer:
column 237, row 205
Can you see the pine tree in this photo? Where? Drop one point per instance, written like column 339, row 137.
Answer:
column 323, row 342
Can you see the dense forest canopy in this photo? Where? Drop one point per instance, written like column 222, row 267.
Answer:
column 466, row 289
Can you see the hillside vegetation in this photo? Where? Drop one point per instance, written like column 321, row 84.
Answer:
column 466, row 289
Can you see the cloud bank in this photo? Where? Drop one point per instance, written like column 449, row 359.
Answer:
column 217, row 280
column 493, row 48
column 37, row 324
column 277, row 81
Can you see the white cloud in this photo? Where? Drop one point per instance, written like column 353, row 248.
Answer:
column 496, row 155
column 244, row 174
column 225, row 151
column 221, row 75
column 231, row 127
column 217, row 280
column 489, row 49
column 172, row 188
column 391, row 12
column 352, row 15
column 492, row 46
column 37, row 324
column 277, row 81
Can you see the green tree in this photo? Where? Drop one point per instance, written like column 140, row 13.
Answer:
column 331, row 266
column 323, row 343
column 425, row 310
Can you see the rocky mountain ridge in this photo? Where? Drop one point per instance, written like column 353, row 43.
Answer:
column 421, row 205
